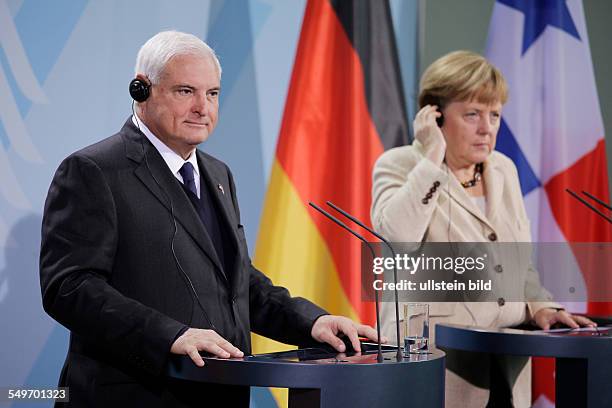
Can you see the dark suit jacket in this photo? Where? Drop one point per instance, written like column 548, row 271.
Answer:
column 109, row 275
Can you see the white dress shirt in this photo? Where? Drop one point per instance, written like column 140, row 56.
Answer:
column 172, row 159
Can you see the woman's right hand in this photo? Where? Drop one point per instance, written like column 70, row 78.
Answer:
column 427, row 131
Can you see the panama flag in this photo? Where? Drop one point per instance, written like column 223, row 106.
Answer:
column 553, row 130
column 344, row 107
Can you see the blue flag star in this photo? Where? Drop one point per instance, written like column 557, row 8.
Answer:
column 542, row 13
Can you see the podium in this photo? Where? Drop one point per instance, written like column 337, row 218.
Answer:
column 583, row 357
column 319, row 378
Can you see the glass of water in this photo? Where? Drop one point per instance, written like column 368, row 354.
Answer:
column 416, row 328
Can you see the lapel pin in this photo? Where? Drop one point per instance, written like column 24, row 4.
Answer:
column 220, row 187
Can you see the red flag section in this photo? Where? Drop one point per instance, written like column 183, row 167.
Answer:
column 580, row 224
column 331, row 134
column 328, row 143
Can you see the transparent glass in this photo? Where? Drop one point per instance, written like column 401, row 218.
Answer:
column 416, row 328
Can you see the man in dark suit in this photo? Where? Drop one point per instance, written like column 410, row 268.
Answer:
column 143, row 254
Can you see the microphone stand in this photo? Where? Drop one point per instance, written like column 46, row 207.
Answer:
column 379, row 356
column 377, row 235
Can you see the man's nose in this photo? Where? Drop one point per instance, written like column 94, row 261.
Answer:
column 201, row 104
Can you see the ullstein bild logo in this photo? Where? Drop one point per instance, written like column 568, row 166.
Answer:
column 412, row 264
column 432, row 285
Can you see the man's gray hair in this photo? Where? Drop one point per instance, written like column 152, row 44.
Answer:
column 159, row 49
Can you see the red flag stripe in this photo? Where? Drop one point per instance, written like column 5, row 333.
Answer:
column 578, row 223
column 328, row 143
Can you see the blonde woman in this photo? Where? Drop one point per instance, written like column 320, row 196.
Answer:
column 451, row 185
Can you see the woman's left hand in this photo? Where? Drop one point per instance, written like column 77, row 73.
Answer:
column 544, row 318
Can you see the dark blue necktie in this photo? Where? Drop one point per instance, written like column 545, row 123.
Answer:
column 186, row 173
column 205, row 208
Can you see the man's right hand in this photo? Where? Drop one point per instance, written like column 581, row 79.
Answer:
column 195, row 340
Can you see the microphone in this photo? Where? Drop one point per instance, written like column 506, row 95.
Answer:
column 377, row 235
column 592, row 197
column 379, row 356
column 591, row 206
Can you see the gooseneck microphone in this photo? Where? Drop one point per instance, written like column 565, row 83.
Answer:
column 377, row 235
column 591, row 206
column 379, row 356
column 592, row 197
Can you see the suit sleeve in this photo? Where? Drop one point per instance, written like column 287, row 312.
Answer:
column 79, row 241
column 401, row 182
column 273, row 312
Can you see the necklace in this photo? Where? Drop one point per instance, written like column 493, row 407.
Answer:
column 477, row 177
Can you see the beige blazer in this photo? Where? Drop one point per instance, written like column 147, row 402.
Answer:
column 402, row 212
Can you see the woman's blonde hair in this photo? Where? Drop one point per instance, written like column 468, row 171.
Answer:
column 462, row 76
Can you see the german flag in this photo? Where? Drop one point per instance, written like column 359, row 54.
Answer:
column 344, row 107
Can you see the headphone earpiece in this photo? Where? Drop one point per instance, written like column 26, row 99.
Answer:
column 139, row 90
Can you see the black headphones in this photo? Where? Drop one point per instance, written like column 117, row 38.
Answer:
column 139, row 90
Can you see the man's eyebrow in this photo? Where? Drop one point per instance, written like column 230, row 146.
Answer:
column 177, row 86
column 193, row 88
